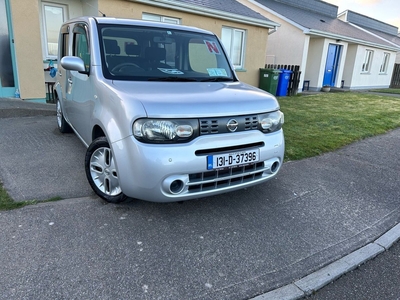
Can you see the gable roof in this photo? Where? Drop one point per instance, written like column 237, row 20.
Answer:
column 229, row 6
column 376, row 27
column 223, row 9
column 367, row 22
column 314, row 21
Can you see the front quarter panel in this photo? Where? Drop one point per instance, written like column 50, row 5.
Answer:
column 115, row 112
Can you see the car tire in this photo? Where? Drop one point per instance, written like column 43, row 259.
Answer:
column 63, row 126
column 101, row 171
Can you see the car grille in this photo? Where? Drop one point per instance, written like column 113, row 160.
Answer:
column 218, row 179
column 218, row 125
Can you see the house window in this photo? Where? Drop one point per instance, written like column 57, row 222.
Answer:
column 385, row 63
column 53, row 15
column 366, row 67
column 158, row 18
column 234, row 42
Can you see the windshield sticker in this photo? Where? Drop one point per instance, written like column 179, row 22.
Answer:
column 171, row 71
column 217, row 72
column 212, row 47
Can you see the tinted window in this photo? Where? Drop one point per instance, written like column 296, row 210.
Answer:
column 81, row 47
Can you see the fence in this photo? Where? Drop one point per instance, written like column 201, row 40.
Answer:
column 294, row 77
column 395, row 83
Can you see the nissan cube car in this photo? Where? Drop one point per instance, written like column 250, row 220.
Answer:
column 162, row 112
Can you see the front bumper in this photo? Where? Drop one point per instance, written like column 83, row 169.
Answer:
column 177, row 172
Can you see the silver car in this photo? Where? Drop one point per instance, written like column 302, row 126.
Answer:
column 162, row 112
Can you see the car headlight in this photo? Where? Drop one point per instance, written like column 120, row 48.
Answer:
column 271, row 122
column 164, row 130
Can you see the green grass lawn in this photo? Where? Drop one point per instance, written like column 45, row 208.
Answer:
column 320, row 123
column 390, row 91
column 316, row 124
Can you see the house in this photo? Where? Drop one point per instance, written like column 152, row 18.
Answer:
column 329, row 50
column 32, row 28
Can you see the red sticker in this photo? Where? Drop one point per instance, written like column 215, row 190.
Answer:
column 212, row 47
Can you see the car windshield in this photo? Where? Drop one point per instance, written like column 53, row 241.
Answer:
column 159, row 54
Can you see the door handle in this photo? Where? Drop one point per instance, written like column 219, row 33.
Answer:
column 69, row 80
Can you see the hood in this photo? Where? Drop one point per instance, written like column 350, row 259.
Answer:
column 196, row 99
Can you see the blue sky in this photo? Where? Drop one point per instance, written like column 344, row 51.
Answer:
column 387, row 11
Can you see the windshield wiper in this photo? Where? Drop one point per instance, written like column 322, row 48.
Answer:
column 171, row 78
column 216, row 79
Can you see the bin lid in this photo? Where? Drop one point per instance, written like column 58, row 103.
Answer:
column 270, row 70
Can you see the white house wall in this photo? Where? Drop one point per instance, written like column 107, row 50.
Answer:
column 342, row 61
column 373, row 79
column 315, row 62
column 349, row 67
column 285, row 45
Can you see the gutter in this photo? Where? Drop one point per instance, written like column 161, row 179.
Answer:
column 348, row 39
column 178, row 6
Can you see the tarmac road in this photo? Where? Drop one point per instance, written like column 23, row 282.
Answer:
column 318, row 215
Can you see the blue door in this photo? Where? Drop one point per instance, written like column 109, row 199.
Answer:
column 332, row 63
column 7, row 68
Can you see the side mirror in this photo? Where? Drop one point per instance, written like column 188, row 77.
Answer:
column 73, row 63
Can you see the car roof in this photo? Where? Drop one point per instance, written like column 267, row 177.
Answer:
column 136, row 22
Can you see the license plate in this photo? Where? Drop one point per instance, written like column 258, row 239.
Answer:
column 234, row 159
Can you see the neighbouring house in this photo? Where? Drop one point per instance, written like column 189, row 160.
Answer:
column 329, row 50
column 29, row 34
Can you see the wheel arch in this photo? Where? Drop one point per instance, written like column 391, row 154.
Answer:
column 97, row 132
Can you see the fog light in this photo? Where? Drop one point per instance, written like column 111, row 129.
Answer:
column 176, row 186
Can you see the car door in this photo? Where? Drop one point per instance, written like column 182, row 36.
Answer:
column 79, row 94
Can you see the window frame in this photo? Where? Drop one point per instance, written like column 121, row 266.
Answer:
column 385, row 63
column 81, row 29
column 160, row 18
column 367, row 62
column 45, row 47
column 230, row 48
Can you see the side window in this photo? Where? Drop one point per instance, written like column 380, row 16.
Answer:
column 64, row 41
column 64, row 46
column 234, row 43
column 81, row 46
column 53, row 16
